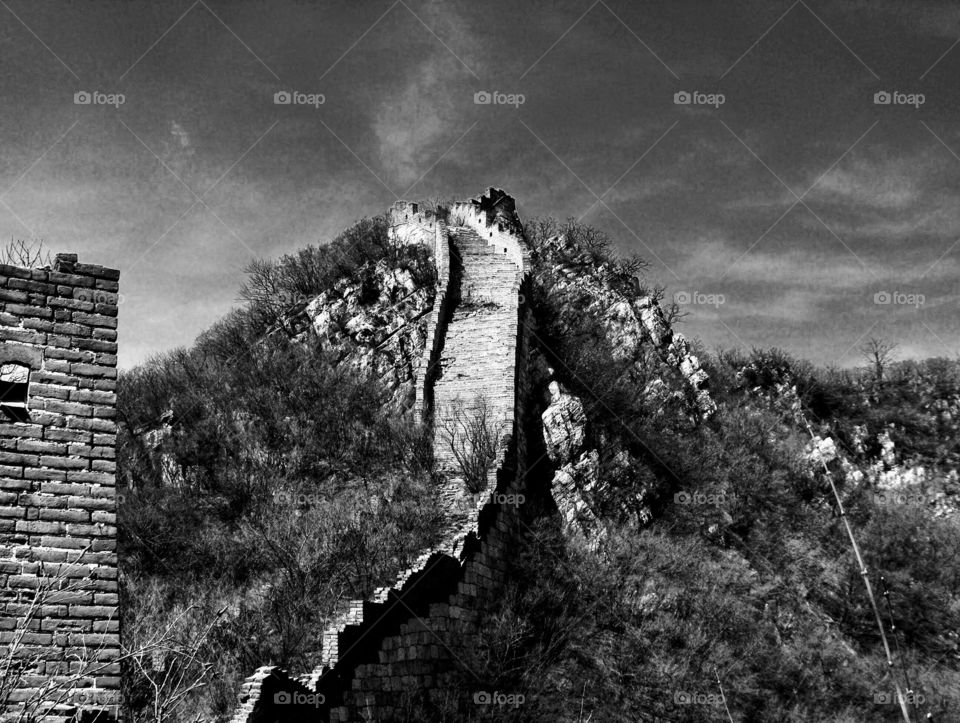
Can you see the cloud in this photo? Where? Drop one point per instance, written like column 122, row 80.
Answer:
column 417, row 122
column 874, row 183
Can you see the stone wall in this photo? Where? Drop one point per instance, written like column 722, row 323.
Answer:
column 410, row 639
column 59, row 625
column 407, row 225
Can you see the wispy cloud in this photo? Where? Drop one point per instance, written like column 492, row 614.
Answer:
column 417, row 120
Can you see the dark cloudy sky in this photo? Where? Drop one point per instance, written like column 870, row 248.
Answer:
column 794, row 203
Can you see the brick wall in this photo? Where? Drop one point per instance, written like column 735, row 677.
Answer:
column 59, row 625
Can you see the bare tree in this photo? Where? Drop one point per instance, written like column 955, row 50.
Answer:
column 472, row 436
column 63, row 687
column 167, row 660
column 171, row 664
column 878, row 353
column 30, row 254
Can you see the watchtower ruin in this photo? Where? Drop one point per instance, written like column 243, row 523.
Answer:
column 59, row 623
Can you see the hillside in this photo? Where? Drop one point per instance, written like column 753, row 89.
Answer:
column 676, row 554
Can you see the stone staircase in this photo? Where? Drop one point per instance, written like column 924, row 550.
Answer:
column 477, row 363
column 402, row 640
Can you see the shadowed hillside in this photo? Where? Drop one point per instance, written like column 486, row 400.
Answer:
column 677, row 556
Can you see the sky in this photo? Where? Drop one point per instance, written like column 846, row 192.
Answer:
column 786, row 204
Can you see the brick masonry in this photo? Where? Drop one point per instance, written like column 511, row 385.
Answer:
column 413, row 637
column 59, row 627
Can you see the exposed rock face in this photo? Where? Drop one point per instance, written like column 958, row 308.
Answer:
column 564, row 425
column 583, row 489
column 577, row 285
column 376, row 325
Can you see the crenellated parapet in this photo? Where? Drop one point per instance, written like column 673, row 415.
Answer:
column 493, row 216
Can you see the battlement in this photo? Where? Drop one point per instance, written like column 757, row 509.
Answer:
column 493, row 216
column 411, row 223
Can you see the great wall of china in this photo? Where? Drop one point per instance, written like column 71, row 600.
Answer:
column 414, row 635
column 408, row 642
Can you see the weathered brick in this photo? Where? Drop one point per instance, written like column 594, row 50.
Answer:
column 102, row 346
column 91, row 395
column 25, row 310
column 106, row 285
column 60, row 407
column 18, row 297
column 18, row 459
column 41, row 447
column 26, row 336
column 92, row 370
column 15, row 272
column 40, row 528
column 101, row 320
column 39, row 287
column 96, row 271
column 65, row 515
column 49, row 391
column 69, row 435
column 71, row 329
column 67, row 463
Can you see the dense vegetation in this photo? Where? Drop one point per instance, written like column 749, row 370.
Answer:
column 286, row 490
column 290, row 492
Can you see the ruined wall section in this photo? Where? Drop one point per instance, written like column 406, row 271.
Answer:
column 58, row 561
